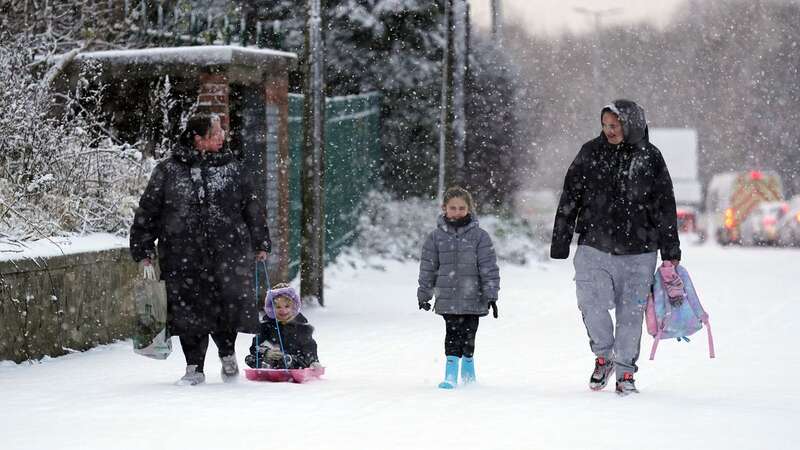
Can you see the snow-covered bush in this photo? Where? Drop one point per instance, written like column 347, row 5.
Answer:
column 395, row 229
column 60, row 169
column 514, row 239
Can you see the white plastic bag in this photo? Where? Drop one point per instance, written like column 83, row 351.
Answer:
column 151, row 337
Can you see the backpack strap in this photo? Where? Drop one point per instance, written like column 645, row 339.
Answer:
column 655, row 344
column 711, row 353
column 694, row 302
column 662, row 324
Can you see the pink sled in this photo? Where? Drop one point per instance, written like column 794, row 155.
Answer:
column 284, row 375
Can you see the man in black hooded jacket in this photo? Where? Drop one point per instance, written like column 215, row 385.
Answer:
column 618, row 197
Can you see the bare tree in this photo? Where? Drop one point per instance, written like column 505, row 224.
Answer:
column 60, row 170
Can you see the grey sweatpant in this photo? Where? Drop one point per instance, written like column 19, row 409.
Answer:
column 604, row 281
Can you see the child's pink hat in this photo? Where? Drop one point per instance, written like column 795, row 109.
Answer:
column 287, row 291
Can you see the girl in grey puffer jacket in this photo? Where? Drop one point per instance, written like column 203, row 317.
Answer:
column 459, row 267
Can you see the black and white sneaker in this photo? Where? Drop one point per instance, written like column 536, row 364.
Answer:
column 626, row 385
column 602, row 369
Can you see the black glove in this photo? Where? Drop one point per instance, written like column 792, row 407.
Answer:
column 493, row 307
column 264, row 246
column 426, row 305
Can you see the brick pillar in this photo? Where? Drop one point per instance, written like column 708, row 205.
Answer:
column 213, row 96
column 276, row 96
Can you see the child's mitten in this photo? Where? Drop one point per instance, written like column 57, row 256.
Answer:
column 255, row 363
column 274, row 355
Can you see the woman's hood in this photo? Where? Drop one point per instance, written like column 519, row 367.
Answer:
column 631, row 115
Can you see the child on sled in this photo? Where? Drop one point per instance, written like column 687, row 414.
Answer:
column 283, row 326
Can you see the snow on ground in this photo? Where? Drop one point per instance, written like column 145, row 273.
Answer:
column 384, row 358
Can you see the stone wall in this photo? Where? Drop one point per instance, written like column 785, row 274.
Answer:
column 51, row 306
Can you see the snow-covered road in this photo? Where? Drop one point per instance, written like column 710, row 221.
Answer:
column 384, row 359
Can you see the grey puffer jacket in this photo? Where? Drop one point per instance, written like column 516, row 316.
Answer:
column 459, row 267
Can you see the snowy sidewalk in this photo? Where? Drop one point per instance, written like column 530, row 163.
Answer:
column 384, row 359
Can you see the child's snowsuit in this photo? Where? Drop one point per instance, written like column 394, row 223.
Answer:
column 298, row 344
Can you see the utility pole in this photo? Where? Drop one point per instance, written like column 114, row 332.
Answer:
column 467, row 52
column 456, row 62
column 312, row 241
column 597, row 16
column 443, row 115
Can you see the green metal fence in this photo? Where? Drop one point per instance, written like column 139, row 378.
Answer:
column 352, row 162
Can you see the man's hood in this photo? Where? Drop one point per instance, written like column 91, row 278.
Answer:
column 631, row 115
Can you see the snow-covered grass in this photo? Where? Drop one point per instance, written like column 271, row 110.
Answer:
column 59, row 245
column 384, row 358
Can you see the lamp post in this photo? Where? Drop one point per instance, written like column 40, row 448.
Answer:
column 597, row 15
column 497, row 20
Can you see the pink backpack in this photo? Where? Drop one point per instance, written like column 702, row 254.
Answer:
column 674, row 309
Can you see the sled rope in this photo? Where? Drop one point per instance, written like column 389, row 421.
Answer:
column 277, row 323
column 258, row 365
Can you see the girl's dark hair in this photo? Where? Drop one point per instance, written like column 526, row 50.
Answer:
column 459, row 192
column 197, row 125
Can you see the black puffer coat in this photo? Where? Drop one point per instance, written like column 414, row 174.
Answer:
column 298, row 342
column 203, row 212
column 619, row 198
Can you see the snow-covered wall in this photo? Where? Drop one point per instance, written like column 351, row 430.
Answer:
column 52, row 305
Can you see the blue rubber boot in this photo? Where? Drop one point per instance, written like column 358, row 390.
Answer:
column 450, row 373
column 467, row 370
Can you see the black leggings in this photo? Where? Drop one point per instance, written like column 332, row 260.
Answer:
column 459, row 339
column 194, row 347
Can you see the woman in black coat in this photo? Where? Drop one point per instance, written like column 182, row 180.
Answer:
column 201, row 208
